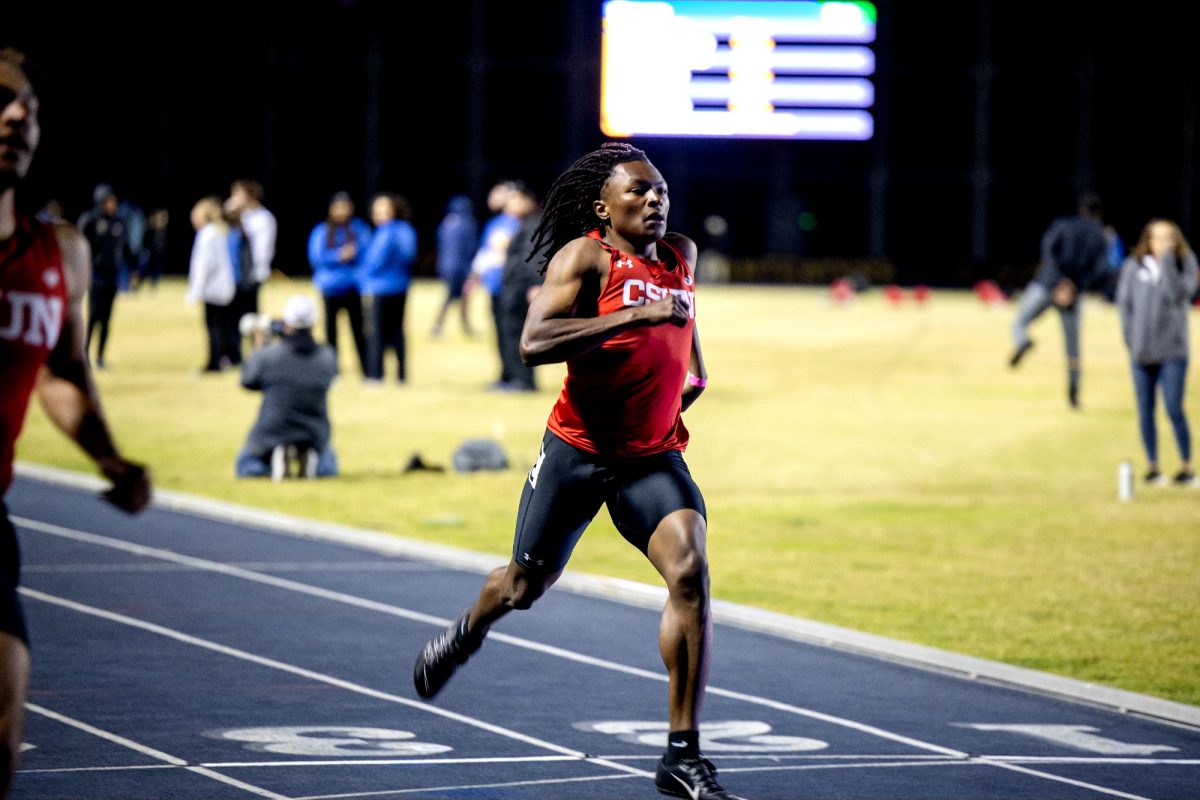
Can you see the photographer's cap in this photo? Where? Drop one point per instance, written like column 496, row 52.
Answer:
column 300, row 312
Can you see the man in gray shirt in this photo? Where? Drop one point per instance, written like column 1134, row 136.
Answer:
column 294, row 374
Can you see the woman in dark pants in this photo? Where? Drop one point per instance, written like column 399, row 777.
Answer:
column 1154, row 300
column 383, row 281
column 335, row 249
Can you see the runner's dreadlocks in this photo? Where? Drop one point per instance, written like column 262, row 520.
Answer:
column 568, row 213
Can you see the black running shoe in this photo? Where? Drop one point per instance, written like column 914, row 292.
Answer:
column 691, row 778
column 1185, row 477
column 442, row 655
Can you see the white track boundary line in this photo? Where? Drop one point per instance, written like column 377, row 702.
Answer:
column 129, row 768
column 983, row 762
column 647, row 596
column 422, row 762
column 779, row 761
column 152, row 753
column 1071, row 781
column 320, row 677
column 470, row 787
column 316, row 591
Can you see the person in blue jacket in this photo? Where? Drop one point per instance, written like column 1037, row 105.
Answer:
column 457, row 239
column 335, row 250
column 383, row 281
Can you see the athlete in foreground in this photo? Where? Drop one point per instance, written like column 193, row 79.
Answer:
column 617, row 306
column 43, row 279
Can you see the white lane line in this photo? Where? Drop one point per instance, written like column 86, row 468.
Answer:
column 128, row 768
column 871, row 765
column 1184, row 762
column 466, row 788
column 265, row 566
column 389, row 762
column 778, row 762
column 400, row 762
column 1071, row 781
column 322, row 678
column 359, row 602
column 151, row 752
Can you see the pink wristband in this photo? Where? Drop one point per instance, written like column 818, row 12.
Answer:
column 699, row 383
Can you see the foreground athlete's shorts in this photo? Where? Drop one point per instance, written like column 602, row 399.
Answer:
column 11, row 619
column 567, row 486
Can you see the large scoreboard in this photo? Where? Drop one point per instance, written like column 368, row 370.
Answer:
column 738, row 68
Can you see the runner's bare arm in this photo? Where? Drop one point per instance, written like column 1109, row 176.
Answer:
column 551, row 334
column 68, row 392
column 691, row 390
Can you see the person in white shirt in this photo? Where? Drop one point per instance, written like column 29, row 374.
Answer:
column 210, row 280
column 255, row 230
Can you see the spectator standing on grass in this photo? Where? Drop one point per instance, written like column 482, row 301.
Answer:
column 457, row 238
column 1154, row 301
column 487, row 268
column 135, row 235
column 105, row 232
column 335, row 250
column 154, row 253
column 520, row 282
column 257, row 224
column 210, row 281
column 1074, row 259
column 383, row 281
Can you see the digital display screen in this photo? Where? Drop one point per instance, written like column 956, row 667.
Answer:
column 729, row 68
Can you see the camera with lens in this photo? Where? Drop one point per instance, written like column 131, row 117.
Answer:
column 251, row 323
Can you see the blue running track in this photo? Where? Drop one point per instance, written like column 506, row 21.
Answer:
column 179, row 655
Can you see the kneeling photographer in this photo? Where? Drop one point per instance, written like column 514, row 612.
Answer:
column 294, row 374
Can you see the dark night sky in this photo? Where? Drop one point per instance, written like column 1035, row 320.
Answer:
column 990, row 117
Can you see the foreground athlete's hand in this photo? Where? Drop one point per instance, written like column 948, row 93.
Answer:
column 131, row 490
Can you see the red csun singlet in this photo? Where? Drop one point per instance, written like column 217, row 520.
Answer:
column 623, row 398
column 33, row 303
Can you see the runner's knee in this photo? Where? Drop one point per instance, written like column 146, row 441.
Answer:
column 687, row 576
column 524, row 589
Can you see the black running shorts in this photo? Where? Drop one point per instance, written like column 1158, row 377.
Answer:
column 11, row 619
column 566, row 487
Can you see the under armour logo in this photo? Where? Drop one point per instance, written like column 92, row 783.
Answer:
column 533, row 562
column 627, row 263
column 687, row 280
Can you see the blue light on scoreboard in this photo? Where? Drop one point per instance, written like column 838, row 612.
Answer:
column 755, row 69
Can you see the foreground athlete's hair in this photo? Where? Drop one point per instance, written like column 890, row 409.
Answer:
column 568, row 213
column 32, row 70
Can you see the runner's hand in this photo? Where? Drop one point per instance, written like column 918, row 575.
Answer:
column 131, row 490
column 673, row 309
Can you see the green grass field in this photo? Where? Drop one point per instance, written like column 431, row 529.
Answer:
column 869, row 466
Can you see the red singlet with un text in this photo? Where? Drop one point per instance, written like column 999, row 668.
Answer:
column 622, row 399
column 33, row 303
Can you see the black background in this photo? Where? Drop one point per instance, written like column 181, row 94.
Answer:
column 990, row 117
